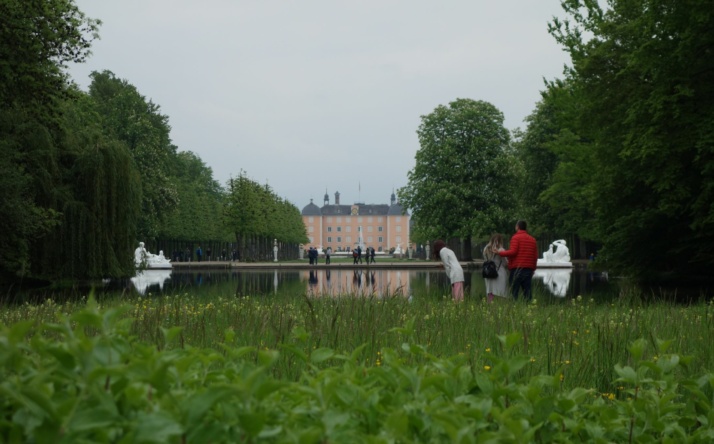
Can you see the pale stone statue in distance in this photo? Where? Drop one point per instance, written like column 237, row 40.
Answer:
column 557, row 255
column 142, row 258
column 557, row 252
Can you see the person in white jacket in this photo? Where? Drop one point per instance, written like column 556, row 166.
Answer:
column 452, row 267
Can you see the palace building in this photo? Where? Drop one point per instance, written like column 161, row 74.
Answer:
column 344, row 227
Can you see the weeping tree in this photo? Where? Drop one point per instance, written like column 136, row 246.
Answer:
column 129, row 117
column 99, row 203
column 68, row 189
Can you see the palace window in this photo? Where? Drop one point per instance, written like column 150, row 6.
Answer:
column 329, row 229
column 329, row 239
column 381, row 239
column 339, row 229
column 380, row 229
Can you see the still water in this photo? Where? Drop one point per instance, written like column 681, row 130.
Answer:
column 558, row 283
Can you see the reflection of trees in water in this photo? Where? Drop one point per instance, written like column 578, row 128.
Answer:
column 240, row 283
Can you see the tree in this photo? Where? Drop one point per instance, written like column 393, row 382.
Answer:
column 199, row 212
column 257, row 216
column 555, row 190
column 461, row 185
column 644, row 74
column 37, row 40
column 129, row 117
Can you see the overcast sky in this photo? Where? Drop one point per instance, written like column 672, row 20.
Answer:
column 318, row 95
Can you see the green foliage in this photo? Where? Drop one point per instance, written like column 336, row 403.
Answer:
column 87, row 379
column 253, row 210
column 644, row 82
column 69, row 190
column 555, row 188
column 461, row 183
column 199, row 213
column 37, row 39
column 138, row 123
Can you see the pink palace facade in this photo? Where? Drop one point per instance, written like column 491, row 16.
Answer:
column 381, row 226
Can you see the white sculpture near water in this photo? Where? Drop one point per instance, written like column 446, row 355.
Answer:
column 398, row 250
column 144, row 259
column 556, row 256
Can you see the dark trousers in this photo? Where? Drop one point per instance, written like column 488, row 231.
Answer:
column 327, row 259
column 521, row 278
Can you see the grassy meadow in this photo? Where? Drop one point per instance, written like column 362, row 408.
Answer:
column 580, row 339
column 301, row 369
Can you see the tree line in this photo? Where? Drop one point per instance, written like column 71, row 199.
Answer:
column 619, row 151
column 85, row 175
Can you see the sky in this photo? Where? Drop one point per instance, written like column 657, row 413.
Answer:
column 318, row 96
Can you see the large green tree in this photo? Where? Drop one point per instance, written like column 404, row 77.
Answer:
column 644, row 74
column 131, row 118
column 65, row 210
column 555, row 189
column 461, row 185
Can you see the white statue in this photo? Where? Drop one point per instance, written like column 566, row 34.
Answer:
column 142, row 258
column 398, row 250
column 556, row 254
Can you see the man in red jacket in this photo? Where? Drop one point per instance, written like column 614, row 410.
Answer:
column 522, row 257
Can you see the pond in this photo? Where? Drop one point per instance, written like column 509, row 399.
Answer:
column 560, row 283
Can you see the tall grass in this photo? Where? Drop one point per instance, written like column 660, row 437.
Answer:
column 578, row 340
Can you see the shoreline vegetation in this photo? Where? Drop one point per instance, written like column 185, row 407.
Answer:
column 354, row 367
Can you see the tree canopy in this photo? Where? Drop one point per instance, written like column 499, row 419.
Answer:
column 641, row 136
column 461, row 185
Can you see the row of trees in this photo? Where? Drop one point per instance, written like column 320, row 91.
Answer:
column 85, row 175
column 257, row 217
column 619, row 151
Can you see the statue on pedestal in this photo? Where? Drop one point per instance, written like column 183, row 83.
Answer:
column 557, row 255
column 144, row 259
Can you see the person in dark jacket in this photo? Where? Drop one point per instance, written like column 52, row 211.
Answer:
column 522, row 257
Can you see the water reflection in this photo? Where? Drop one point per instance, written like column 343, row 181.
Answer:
column 381, row 283
column 556, row 280
column 148, row 278
column 363, row 282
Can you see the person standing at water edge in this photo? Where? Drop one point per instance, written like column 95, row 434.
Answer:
column 498, row 285
column 452, row 267
column 328, row 252
column 199, row 253
column 522, row 257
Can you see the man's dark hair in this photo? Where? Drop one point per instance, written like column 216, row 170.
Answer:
column 521, row 224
